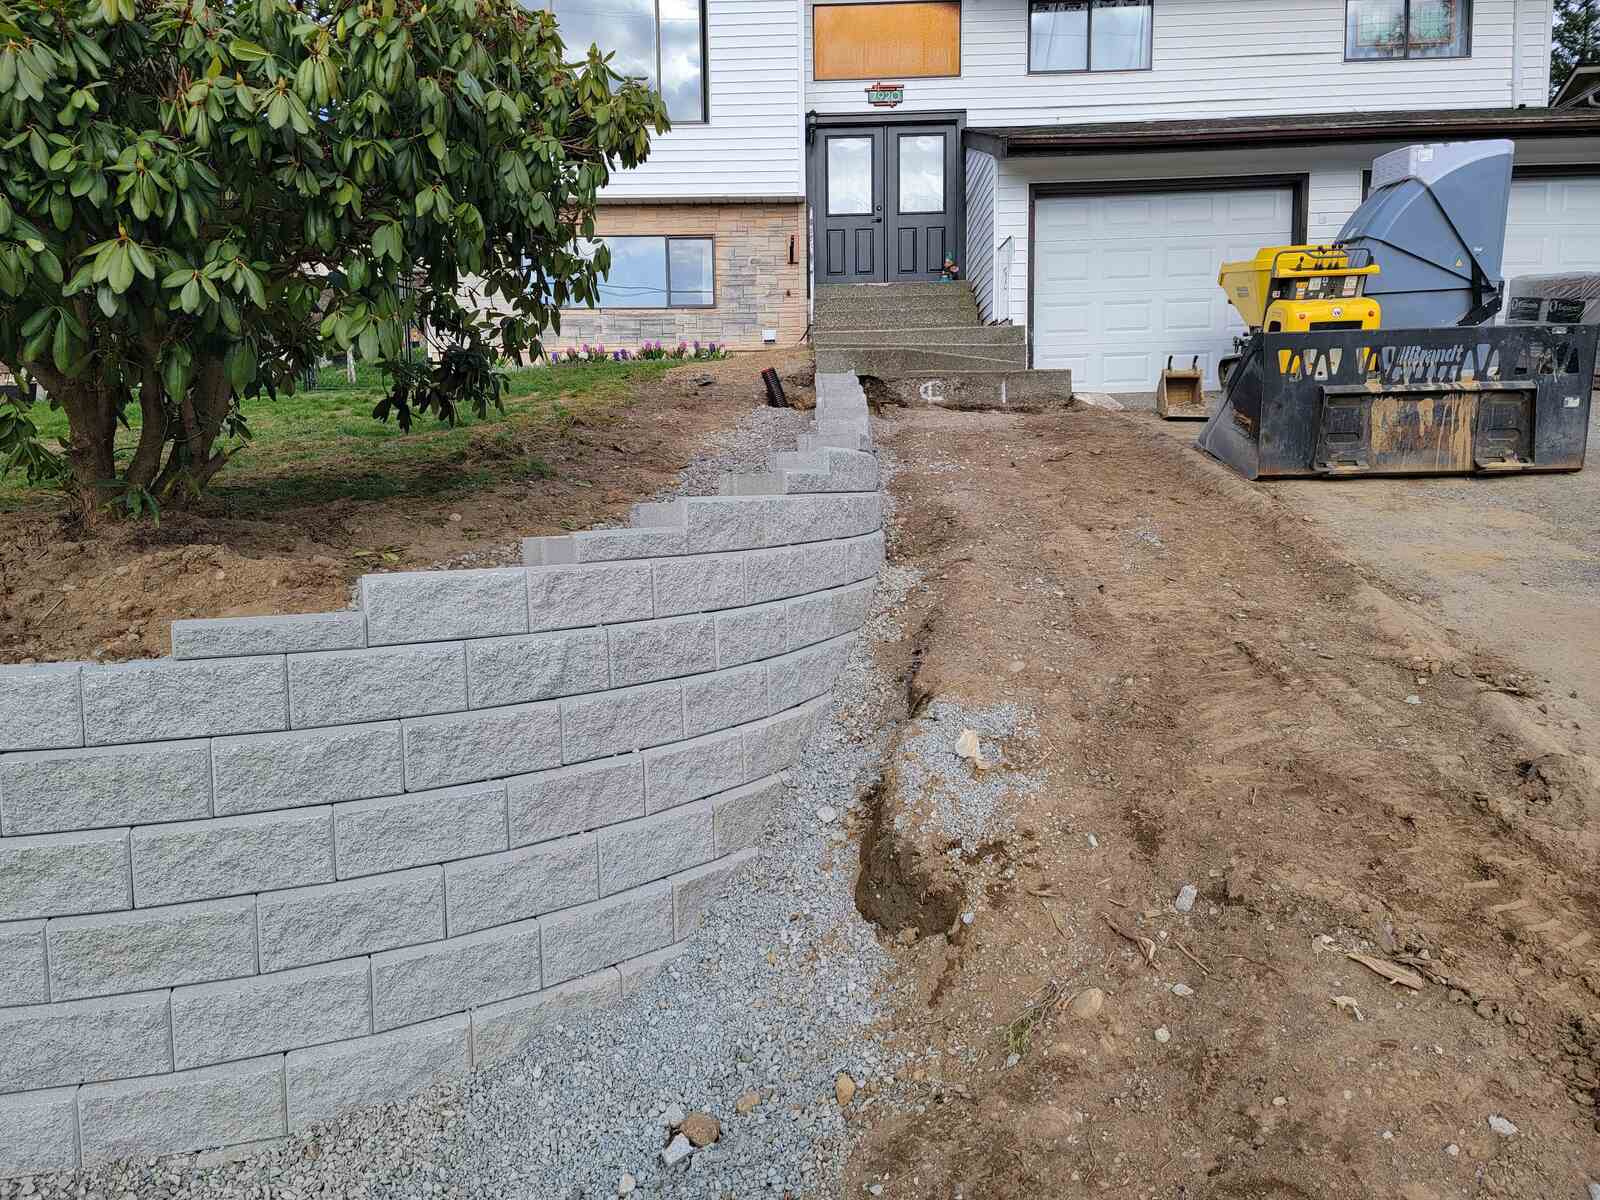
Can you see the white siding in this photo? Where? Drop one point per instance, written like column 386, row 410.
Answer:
column 754, row 144
column 1334, row 190
column 980, row 251
column 1218, row 58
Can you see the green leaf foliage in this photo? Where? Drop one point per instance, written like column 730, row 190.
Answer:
column 198, row 202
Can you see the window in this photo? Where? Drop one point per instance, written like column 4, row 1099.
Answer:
column 657, row 272
column 1089, row 35
column 889, row 42
column 1375, row 29
column 659, row 41
column 921, row 172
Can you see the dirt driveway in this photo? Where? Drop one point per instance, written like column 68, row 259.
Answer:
column 1218, row 698
column 1513, row 564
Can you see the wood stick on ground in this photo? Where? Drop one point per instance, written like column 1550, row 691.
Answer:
column 1146, row 946
column 1184, row 950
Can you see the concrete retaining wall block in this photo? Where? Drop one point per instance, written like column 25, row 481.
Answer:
column 321, row 860
column 230, row 637
column 56, row 790
column 327, row 1080
column 164, row 699
column 496, row 889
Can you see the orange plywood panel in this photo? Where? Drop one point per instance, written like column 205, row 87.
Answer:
column 887, row 42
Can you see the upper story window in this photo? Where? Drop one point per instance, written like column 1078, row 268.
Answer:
column 1407, row 29
column 660, row 41
column 919, row 39
column 1089, row 35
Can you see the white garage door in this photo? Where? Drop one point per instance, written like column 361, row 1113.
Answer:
column 1122, row 281
column 1553, row 225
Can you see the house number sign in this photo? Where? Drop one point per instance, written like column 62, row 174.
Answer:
column 886, row 95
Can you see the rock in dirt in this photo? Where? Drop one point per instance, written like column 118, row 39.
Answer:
column 1086, row 1005
column 844, row 1089
column 626, row 1184
column 677, row 1150
column 701, row 1128
column 1163, row 1034
column 1502, row 1126
column 1187, row 895
column 827, row 814
column 1182, row 990
column 747, row 1103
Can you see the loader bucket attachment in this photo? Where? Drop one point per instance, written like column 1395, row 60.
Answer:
column 1488, row 399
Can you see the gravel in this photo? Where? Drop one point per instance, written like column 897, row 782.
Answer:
column 967, row 804
column 775, row 994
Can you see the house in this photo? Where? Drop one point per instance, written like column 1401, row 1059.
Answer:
column 1088, row 163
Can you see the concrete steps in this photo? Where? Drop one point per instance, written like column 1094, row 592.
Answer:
column 894, row 362
column 895, row 306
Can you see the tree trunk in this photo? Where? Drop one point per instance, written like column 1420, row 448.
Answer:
column 91, row 439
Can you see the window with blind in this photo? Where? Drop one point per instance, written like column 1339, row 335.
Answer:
column 1089, row 35
column 886, row 42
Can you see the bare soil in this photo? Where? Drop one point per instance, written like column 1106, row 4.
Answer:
column 67, row 594
column 1223, row 699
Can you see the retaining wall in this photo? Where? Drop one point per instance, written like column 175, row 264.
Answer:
column 312, row 862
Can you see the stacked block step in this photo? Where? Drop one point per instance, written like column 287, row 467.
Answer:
column 318, row 861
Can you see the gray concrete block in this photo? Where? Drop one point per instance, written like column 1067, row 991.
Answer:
column 166, row 699
column 22, row 968
column 231, row 856
column 49, row 694
column 810, row 619
column 446, row 977
column 496, row 889
column 229, row 637
column 795, row 570
column 392, row 833
column 348, row 918
column 806, row 674
column 552, row 804
column 41, row 1132
column 266, row 1014
column 688, row 770
column 487, row 743
column 660, row 514
column 56, row 874
column 325, row 1081
column 750, row 634
column 50, row 791
column 603, row 545
column 51, row 1045
column 189, row 1110
column 816, row 518
column 694, row 891
column 500, row 1030
column 724, row 698
column 617, row 721
column 852, row 606
column 303, row 767
column 698, row 583
column 151, row 948
column 641, row 972
column 739, row 817
column 643, row 851
column 536, row 666
column 345, row 687
column 863, row 557
column 573, row 596
column 773, row 745
column 645, row 651
column 580, row 940
column 828, row 470
column 726, row 522
column 437, row 606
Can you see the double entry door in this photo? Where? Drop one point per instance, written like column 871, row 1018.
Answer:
column 886, row 201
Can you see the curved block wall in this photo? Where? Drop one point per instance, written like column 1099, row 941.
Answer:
column 312, row 862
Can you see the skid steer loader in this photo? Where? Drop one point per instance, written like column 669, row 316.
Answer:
column 1372, row 356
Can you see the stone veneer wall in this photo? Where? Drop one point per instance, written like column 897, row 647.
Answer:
column 313, row 862
column 756, row 286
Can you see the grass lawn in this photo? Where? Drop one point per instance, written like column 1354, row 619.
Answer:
column 324, row 444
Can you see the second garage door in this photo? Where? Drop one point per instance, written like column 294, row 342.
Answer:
column 1121, row 281
column 1553, row 225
